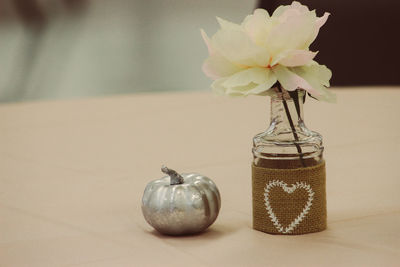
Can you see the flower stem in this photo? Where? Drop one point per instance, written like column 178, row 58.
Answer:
column 296, row 138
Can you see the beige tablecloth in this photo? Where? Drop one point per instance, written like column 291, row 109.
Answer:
column 72, row 174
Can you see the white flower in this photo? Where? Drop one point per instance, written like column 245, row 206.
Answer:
column 250, row 58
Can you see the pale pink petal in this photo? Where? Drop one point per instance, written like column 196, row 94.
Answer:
column 295, row 6
column 217, row 66
column 291, row 34
column 240, row 90
column 279, row 11
column 207, row 41
column 291, row 81
column 257, row 26
column 262, row 88
column 318, row 77
column 297, row 58
column 318, row 24
column 217, row 86
column 252, row 88
column 237, row 46
column 255, row 81
column 227, row 25
column 299, row 7
column 289, row 13
column 244, row 77
column 321, row 21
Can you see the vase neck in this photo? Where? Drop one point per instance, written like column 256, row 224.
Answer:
column 280, row 104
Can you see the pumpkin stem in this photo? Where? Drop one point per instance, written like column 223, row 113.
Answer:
column 176, row 178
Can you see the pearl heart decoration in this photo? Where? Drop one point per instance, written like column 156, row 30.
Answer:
column 288, row 190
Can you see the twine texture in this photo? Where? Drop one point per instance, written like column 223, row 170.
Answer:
column 289, row 201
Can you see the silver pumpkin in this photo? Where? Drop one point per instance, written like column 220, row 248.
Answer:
column 181, row 204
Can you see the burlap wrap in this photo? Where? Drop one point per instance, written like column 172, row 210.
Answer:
column 289, row 201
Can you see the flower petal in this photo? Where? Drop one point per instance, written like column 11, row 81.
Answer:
column 217, row 66
column 207, row 40
column 291, row 81
column 227, row 25
column 293, row 58
column 279, row 11
column 240, row 90
column 321, row 21
column 318, row 77
column 291, row 34
column 318, row 24
column 259, row 13
column 299, row 8
column 244, row 77
column 255, row 81
column 257, row 26
column 217, row 86
column 237, row 46
column 264, row 87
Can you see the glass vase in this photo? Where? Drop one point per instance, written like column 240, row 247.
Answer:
column 288, row 171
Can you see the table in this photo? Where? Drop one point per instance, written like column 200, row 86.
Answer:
column 72, row 174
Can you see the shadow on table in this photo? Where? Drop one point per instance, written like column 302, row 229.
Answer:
column 213, row 232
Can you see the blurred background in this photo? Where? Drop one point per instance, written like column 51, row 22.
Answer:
column 74, row 48
column 51, row 49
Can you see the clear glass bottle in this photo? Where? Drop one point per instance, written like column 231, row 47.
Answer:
column 287, row 143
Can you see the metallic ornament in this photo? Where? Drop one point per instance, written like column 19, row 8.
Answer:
column 181, row 204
